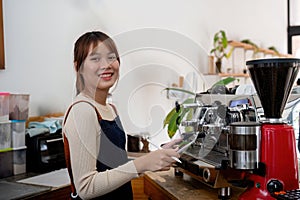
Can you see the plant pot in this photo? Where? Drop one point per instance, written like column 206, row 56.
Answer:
column 218, row 66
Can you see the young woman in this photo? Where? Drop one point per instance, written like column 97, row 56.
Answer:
column 92, row 130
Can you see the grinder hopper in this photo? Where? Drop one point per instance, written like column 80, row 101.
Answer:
column 273, row 80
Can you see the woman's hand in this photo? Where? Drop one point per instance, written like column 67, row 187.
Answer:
column 173, row 144
column 156, row 160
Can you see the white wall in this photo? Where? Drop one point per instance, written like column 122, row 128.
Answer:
column 171, row 35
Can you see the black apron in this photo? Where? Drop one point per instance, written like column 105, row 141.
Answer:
column 112, row 154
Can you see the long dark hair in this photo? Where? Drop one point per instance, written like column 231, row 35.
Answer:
column 81, row 50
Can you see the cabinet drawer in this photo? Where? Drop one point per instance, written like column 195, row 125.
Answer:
column 154, row 192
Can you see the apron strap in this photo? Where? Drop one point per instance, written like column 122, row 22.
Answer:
column 67, row 150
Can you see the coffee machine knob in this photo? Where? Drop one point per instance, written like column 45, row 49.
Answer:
column 206, row 174
column 274, row 186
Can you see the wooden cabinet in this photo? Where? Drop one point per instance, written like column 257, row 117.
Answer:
column 138, row 189
column 154, row 191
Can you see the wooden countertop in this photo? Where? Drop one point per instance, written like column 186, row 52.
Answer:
column 181, row 188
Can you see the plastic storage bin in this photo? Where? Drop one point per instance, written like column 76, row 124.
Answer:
column 5, row 135
column 18, row 133
column 18, row 106
column 19, row 160
column 6, row 167
column 4, row 106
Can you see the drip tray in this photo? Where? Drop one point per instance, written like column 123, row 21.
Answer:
column 13, row 190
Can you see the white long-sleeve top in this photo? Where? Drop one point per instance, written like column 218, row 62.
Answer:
column 83, row 131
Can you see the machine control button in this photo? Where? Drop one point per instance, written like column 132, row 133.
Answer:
column 287, row 195
column 274, row 186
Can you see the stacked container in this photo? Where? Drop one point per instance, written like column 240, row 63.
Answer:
column 18, row 114
column 6, row 154
column 4, row 106
column 18, row 106
column 18, row 146
column 13, row 115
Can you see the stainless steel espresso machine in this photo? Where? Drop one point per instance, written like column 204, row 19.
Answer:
column 243, row 140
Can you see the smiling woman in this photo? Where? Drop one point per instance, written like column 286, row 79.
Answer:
column 2, row 66
column 94, row 137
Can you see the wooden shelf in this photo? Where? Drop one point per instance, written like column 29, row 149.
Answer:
column 233, row 75
column 245, row 46
column 228, row 75
column 237, row 44
column 241, row 52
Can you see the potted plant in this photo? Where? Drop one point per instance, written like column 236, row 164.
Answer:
column 220, row 44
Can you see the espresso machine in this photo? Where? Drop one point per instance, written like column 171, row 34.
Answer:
column 243, row 140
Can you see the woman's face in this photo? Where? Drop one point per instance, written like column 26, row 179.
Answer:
column 101, row 68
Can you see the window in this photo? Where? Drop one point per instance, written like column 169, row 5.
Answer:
column 294, row 28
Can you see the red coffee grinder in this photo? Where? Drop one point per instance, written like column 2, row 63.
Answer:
column 278, row 166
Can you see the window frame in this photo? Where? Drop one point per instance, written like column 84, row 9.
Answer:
column 292, row 30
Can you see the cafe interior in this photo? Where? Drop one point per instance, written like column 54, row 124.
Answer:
column 222, row 76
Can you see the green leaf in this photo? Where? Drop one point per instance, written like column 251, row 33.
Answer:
column 223, row 33
column 230, row 52
column 225, row 81
column 171, row 118
column 172, row 126
column 224, row 43
column 216, row 37
column 189, row 100
column 275, row 50
column 180, row 90
column 247, row 41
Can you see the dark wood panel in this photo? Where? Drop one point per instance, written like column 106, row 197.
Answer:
column 2, row 57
